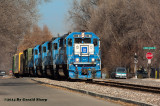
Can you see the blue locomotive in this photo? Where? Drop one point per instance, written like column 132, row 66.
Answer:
column 74, row 55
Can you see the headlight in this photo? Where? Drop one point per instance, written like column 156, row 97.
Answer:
column 77, row 47
column 93, row 59
column 91, row 47
column 77, row 59
column 82, row 34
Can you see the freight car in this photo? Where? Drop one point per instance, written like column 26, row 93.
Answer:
column 74, row 55
column 17, row 64
column 27, row 61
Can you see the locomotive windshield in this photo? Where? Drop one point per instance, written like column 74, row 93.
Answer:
column 86, row 40
column 95, row 42
column 39, row 49
column 79, row 40
column 69, row 42
column 36, row 52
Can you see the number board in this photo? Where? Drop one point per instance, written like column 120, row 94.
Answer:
column 84, row 49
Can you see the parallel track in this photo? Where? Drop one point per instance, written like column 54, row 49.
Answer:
column 136, row 87
column 111, row 83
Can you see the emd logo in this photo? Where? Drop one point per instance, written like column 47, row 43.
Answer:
column 84, row 49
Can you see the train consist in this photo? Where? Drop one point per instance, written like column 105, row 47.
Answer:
column 74, row 55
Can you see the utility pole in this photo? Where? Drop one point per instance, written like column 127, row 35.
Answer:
column 135, row 61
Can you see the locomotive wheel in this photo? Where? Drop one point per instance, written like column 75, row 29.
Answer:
column 52, row 73
column 54, row 70
column 44, row 73
column 89, row 80
column 65, row 71
column 39, row 72
column 36, row 73
column 31, row 72
column 56, row 75
column 27, row 72
column 48, row 71
column 17, row 75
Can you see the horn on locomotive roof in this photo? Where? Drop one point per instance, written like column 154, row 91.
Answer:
column 83, row 31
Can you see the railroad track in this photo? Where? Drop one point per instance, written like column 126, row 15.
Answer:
column 126, row 86
column 117, row 84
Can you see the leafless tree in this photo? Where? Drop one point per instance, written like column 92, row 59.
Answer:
column 16, row 19
column 124, row 26
column 34, row 37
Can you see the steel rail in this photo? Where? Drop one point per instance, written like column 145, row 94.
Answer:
column 136, row 87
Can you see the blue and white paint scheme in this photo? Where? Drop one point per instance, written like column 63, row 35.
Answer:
column 35, row 56
column 45, row 54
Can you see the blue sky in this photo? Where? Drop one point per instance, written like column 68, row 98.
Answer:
column 54, row 15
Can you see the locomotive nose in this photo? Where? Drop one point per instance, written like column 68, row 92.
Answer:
column 84, row 49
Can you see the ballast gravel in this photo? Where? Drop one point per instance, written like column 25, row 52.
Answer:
column 139, row 96
column 145, row 82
